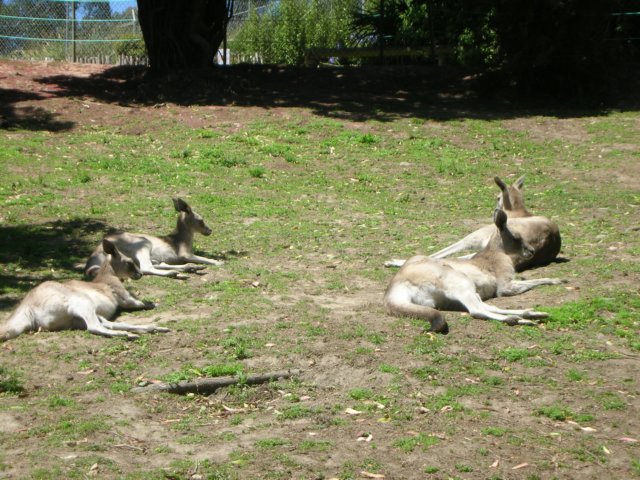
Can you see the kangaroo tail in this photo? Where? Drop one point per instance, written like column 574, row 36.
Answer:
column 403, row 307
column 17, row 323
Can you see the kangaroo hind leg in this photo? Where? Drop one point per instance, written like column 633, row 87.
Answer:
column 84, row 310
column 478, row 309
column 127, row 327
column 146, row 267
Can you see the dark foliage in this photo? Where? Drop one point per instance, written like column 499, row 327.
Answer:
column 555, row 47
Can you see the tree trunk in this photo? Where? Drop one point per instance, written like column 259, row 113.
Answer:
column 182, row 35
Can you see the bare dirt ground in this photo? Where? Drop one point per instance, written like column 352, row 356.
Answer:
column 497, row 437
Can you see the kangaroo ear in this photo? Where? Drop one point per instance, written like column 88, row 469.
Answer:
column 519, row 182
column 109, row 247
column 181, row 206
column 500, row 183
column 500, row 219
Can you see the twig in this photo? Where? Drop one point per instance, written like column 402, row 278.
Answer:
column 126, row 445
column 210, row 385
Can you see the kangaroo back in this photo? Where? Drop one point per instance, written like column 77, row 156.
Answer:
column 543, row 235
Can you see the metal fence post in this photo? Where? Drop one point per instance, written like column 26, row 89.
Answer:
column 73, row 30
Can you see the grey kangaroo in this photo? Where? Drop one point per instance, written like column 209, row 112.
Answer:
column 539, row 232
column 166, row 256
column 425, row 284
column 83, row 305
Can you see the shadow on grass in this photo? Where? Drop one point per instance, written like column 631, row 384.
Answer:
column 52, row 246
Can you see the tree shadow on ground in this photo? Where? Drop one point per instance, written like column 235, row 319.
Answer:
column 52, row 246
column 352, row 93
column 27, row 117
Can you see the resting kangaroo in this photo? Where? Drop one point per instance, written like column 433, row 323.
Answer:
column 165, row 256
column 77, row 304
column 425, row 284
column 539, row 232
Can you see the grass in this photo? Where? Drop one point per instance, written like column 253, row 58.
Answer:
column 409, row 444
column 305, row 208
column 189, row 372
column 10, row 381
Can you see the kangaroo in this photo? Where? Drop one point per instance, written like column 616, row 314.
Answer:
column 165, row 256
column 425, row 284
column 83, row 305
column 539, row 232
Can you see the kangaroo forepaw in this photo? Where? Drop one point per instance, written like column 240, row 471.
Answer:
column 529, row 323
column 393, row 263
column 155, row 329
column 149, row 305
column 194, row 268
column 512, row 320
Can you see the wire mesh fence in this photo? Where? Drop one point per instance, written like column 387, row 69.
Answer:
column 97, row 31
column 107, row 31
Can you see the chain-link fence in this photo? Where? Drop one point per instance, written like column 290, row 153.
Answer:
column 259, row 31
column 283, row 31
column 102, row 31
column 107, row 31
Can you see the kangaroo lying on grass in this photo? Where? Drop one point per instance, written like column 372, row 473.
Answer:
column 165, row 256
column 425, row 284
column 83, row 305
column 539, row 232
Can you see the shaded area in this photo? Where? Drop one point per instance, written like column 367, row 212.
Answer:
column 27, row 117
column 58, row 245
column 352, row 93
column 358, row 94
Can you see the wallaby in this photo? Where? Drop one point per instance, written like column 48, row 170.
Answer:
column 83, row 305
column 539, row 232
column 425, row 284
column 165, row 256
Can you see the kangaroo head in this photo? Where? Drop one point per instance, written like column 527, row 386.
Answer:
column 123, row 266
column 510, row 197
column 191, row 219
column 511, row 243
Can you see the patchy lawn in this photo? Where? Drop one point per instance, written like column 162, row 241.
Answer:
column 311, row 179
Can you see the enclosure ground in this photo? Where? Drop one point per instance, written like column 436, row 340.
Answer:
column 311, row 179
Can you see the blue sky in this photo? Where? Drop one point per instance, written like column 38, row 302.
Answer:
column 120, row 5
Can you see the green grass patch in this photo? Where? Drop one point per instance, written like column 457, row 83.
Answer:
column 10, row 381
column 562, row 413
column 421, row 441
column 188, row 372
column 494, row 431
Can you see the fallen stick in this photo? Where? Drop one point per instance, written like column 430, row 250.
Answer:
column 210, row 385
